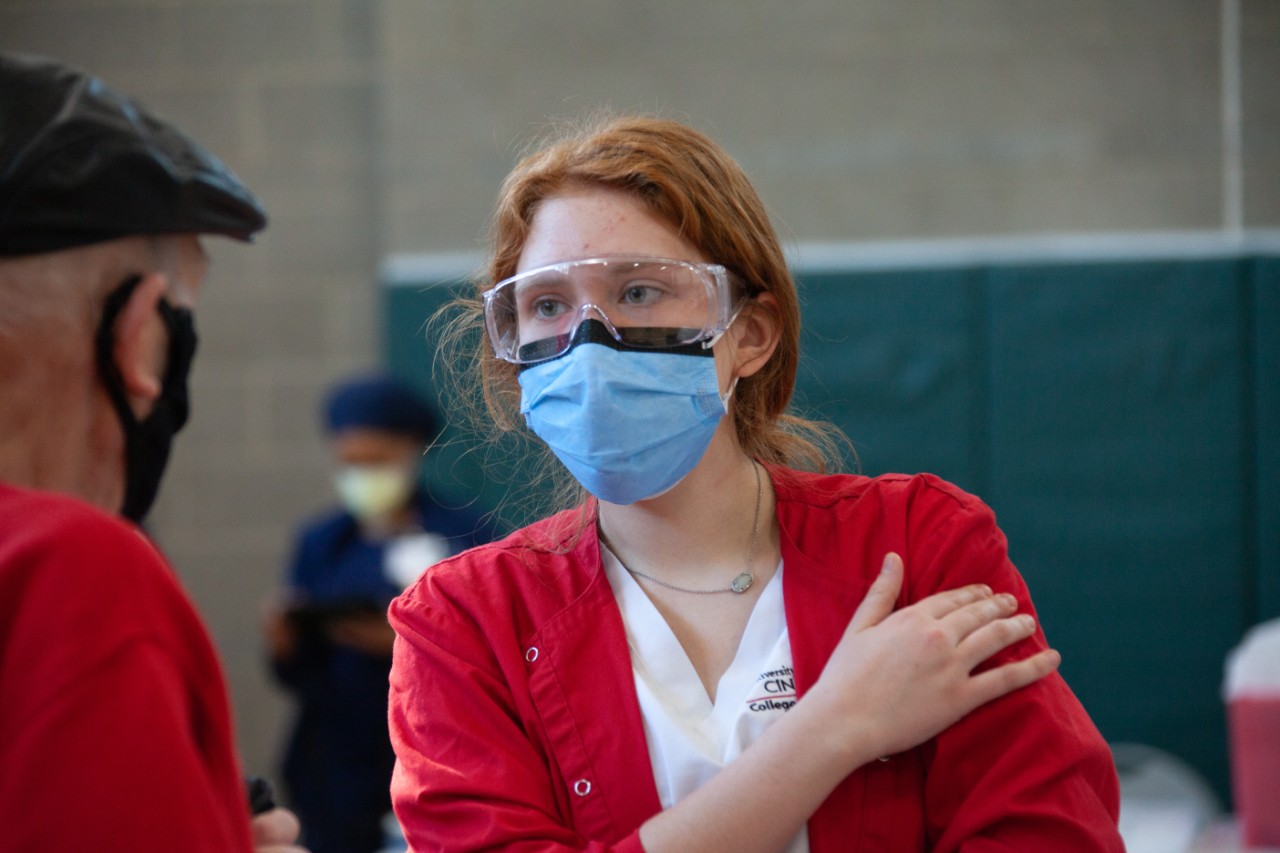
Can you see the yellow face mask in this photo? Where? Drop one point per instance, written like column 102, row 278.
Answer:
column 373, row 492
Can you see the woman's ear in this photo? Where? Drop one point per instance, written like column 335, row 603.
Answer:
column 142, row 344
column 755, row 334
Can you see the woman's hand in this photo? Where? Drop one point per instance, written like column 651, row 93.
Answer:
column 897, row 679
column 894, row 681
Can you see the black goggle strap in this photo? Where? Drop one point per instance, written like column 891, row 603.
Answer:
column 590, row 331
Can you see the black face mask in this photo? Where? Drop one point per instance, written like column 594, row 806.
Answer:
column 147, row 441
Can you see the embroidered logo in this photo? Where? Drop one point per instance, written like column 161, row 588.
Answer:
column 776, row 691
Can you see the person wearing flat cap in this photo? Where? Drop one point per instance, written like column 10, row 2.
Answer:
column 115, row 728
column 330, row 645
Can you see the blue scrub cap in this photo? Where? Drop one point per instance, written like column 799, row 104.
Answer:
column 81, row 163
column 383, row 403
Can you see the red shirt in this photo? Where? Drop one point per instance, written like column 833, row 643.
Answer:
column 514, row 715
column 115, row 733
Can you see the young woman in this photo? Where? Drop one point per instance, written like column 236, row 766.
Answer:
column 718, row 650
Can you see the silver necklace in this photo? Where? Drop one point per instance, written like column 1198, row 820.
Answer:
column 741, row 582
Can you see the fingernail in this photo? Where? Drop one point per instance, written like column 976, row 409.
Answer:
column 1027, row 622
column 888, row 565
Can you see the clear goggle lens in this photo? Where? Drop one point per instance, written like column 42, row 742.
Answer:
column 646, row 303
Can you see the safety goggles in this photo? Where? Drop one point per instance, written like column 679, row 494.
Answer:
column 645, row 303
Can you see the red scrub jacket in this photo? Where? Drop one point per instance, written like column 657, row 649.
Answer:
column 515, row 720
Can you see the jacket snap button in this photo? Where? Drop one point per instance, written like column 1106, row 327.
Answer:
column 582, row 787
column 531, row 654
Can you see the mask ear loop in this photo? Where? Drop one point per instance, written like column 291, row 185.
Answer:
column 104, row 345
column 147, row 439
column 712, row 341
column 715, row 339
column 724, row 398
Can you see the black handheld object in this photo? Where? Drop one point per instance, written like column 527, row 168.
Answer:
column 315, row 617
column 262, row 795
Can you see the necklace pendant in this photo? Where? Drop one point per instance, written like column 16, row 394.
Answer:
column 742, row 582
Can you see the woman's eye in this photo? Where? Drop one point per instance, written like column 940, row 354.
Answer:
column 639, row 294
column 546, row 308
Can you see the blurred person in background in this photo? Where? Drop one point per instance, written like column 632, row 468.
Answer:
column 330, row 642
column 720, row 646
column 115, row 729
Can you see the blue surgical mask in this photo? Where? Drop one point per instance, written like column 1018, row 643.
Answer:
column 628, row 424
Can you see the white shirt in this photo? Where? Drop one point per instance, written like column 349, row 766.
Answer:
column 691, row 738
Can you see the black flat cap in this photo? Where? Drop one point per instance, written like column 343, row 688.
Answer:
column 81, row 163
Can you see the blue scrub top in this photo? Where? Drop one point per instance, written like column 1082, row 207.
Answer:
column 339, row 759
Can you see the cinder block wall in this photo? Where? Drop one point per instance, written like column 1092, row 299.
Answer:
column 379, row 126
